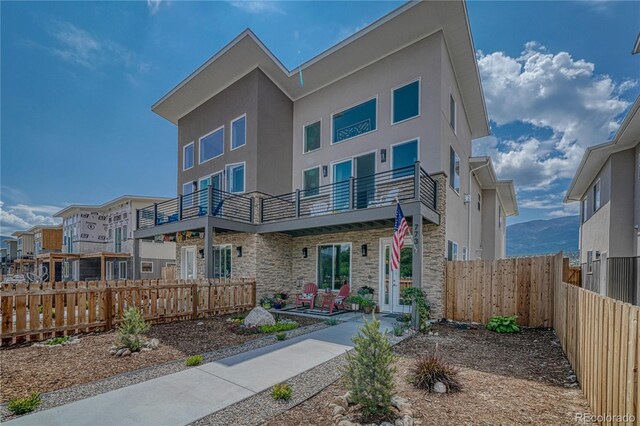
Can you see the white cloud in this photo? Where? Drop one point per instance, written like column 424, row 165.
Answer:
column 575, row 106
column 154, row 6
column 21, row 216
column 258, row 7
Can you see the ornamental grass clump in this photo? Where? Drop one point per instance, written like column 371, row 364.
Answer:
column 131, row 328
column 429, row 370
column 369, row 372
column 281, row 392
column 25, row 405
column 193, row 360
column 503, row 324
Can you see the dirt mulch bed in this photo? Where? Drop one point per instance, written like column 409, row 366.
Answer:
column 508, row 379
column 26, row 369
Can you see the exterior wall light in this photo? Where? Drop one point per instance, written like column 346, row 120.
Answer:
column 239, row 251
column 305, row 252
column 325, row 171
column 383, row 155
column 363, row 250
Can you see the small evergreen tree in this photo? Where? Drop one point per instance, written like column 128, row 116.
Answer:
column 130, row 329
column 369, row 372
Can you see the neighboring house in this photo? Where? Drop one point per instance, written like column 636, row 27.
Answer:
column 292, row 176
column 25, row 248
column 11, row 247
column 97, row 242
column 47, row 239
column 607, row 186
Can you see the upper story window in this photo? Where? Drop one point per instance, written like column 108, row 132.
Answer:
column 187, row 156
column 187, row 188
column 239, row 132
column 454, row 170
column 311, row 137
column 596, row 196
column 500, row 217
column 355, row 121
column 212, row 145
column 479, row 201
column 311, row 182
column 452, row 113
column 406, row 102
column 584, row 210
column 235, row 178
column 403, row 155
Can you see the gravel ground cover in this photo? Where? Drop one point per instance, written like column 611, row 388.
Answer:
column 507, row 379
column 44, row 369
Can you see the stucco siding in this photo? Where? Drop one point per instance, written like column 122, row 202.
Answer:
column 595, row 233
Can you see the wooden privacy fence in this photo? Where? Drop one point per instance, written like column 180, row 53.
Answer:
column 571, row 274
column 600, row 337
column 40, row 311
column 476, row 290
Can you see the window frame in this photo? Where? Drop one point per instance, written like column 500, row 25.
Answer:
column 391, row 156
column 597, row 185
column 454, row 116
column 464, row 253
column 304, row 136
column 232, row 135
column 227, row 168
column 454, row 249
column 585, row 208
column 351, row 107
column 200, row 150
column 223, row 247
column 393, row 89
column 193, row 159
column 589, row 261
column 120, row 277
column 319, row 168
column 451, row 177
column 350, row 261
column 141, row 267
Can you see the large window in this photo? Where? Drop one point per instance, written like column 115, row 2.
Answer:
column 355, row 121
column 406, row 102
column 239, row 132
column 404, row 155
column 212, row 145
column 596, row 196
column 334, row 266
column 235, row 178
column 454, row 170
column 222, row 261
column 122, row 270
column 311, row 182
column 311, row 137
column 452, row 250
column 187, row 157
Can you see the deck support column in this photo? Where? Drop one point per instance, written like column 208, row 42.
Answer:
column 102, row 268
column 208, row 251
column 52, row 269
column 416, row 271
column 136, row 259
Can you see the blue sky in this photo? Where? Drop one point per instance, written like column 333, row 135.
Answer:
column 78, row 80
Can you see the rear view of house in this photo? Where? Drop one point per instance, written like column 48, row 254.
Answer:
column 292, row 176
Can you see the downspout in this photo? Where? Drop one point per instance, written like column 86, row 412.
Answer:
column 471, row 171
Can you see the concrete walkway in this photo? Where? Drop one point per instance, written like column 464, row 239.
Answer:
column 186, row 396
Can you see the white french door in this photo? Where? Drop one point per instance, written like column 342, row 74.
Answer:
column 188, row 267
column 392, row 284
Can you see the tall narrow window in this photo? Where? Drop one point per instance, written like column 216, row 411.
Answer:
column 334, row 266
column 117, row 243
column 452, row 112
column 187, row 157
column 464, row 253
column 452, row 250
column 584, row 209
column 355, row 121
column 239, row 132
column 479, row 201
column 590, row 261
column 311, row 137
column 122, row 270
column 212, row 145
column 235, row 178
column 454, row 170
column 406, row 102
column 402, row 156
column 596, row 196
column 311, row 182
column 222, row 261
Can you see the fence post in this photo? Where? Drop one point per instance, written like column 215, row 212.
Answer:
column 194, row 292
column 107, row 309
column 416, row 180
column 297, row 203
column 180, row 207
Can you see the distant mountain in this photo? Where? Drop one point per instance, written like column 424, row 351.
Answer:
column 543, row 236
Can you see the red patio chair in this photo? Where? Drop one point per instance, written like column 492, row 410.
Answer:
column 330, row 301
column 307, row 296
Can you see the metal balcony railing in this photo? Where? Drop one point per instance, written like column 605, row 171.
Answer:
column 206, row 202
column 409, row 183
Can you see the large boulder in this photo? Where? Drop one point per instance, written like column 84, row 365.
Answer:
column 259, row 316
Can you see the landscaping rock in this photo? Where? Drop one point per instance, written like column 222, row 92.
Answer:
column 145, row 350
column 400, row 402
column 346, row 423
column 200, row 323
column 126, row 352
column 341, row 401
column 338, row 410
column 348, row 398
column 153, row 343
column 121, row 351
column 439, row 387
column 259, row 316
column 405, row 421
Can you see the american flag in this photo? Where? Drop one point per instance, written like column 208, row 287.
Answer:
column 400, row 230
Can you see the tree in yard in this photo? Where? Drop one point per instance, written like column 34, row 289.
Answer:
column 369, row 372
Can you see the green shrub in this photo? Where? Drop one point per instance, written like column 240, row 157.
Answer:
column 429, row 370
column 281, row 392
column 193, row 360
column 503, row 324
column 57, row 340
column 278, row 327
column 411, row 295
column 281, row 336
column 332, row 321
column 131, row 328
column 369, row 372
column 398, row 330
column 24, row 405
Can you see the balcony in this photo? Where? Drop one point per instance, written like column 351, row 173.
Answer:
column 362, row 199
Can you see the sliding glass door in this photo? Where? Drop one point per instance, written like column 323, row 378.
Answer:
column 341, row 175
column 334, row 266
